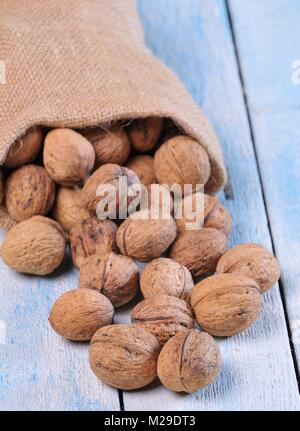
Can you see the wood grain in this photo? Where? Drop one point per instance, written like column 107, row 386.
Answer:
column 193, row 37
column 38, row 369
column 273, row 96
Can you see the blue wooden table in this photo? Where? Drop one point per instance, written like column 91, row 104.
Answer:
column 240, row 59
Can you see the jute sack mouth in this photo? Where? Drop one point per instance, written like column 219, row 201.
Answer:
column 82, row 63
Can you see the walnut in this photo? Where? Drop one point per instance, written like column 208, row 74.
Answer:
column 144, row 133
column 124, row 357
column 6, row 221
column 143, row 166
column 1, row 186
column 109, row 174
column 226, row 304
column 111, row 146
column 25, row 149
column 181, row 160
column 144, row 238
column 67, row 209
column 251, row 260
column 34, row 246
column 189, row 361
column 158, row 199
column 212, row 213
column 163, row 316
column 166, row 277
column 79, row 313
column 114, row 275
column 68, row 157
column 92, row 236
column 199, row 250
column 29, row 191
column 216, row 215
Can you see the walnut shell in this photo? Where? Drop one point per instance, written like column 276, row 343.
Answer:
column 195, row 361
column 166, row 277
column 163, row 316
column 212, row 213
column 226, row 304
column 1, row 187
column 6, row 221
column 92, row 236
column 124, row 357
column 143, row 166
column 251, row 260
column 25, row 149
column 144, row 133
column 108, row 174
column 181, row 160
column 29, row 191
column 114, row 275
column 158, row 199
column 199, row 250
column 68, row 157
column 216, row 215
column 145, row 239
column 111, row 146
column 67, row 209
column 34, row 246
column 79, row 313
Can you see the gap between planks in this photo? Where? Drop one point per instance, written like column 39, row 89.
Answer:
column 198, row 14
column 250, row 124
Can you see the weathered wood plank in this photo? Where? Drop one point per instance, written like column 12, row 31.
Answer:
column 193, row 37
column 268, row 47
column 38, row 369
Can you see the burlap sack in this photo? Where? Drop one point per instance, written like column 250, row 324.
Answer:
column 78, row 63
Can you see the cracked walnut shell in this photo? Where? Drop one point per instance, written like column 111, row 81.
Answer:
column 165, row 276
column 144, row 133
column 79, row 313
column 67, row 209
column 145, row 238
column 92, row 236
column 34, row 246
column 226, row 304
column 181, row 160
column 114, row 275
column 189, row 361
column 199, row 250
column 124, row 357
column 68, row 157
column 29, row 191
column 111, row 146
column 163, row 316
column 251, row 260
column 25, row 149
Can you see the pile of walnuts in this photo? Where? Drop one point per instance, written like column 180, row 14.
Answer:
column 49, row 187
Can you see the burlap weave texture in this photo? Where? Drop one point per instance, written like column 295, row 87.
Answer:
column 79, row 63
